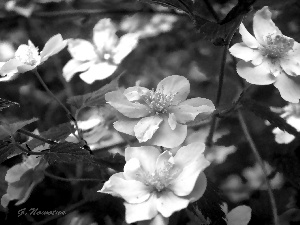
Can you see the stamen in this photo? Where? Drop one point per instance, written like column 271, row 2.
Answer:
column 28, row 54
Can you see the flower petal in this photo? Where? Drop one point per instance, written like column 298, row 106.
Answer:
column 142, row 211
column 248, row 39
column 291, row 66
column 24, row 68
column 146, row 127
column 167, row 137
column 188, row 110
column 15, row 173
column 126, row 44
column 172, row 121
column 135, row 93
column 75, row 66
column 11, row 66
column 168, row 203
column 99, row 71
column 175, row 85
column 259, row 75
column 289, row 87
column 54, row 45
column 162, row 160
column 191, row 160
column 263, row 25
column 130, row 109
column 131, row 191
column 126, row 126
column 81, row 50
column 157, row 220
column 199, row 188
column 242, row 51
column 133, row 170
column 147, row 155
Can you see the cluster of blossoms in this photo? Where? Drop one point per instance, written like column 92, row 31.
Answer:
column 99, row 59
column 269, row 57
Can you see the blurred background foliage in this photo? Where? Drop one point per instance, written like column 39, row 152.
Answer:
column 169, row 45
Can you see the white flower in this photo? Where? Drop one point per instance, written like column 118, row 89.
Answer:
column 27, row 57
column 154, row 185
column 269, row 57
column 101, row 58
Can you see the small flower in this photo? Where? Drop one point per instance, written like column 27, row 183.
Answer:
column 101, row 58
column 27, row 57
column 158, row 117
column 154, row 185
column 292, row 116
column 270, row 57
column 23, row 177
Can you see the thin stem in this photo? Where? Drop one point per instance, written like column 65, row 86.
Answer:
column 218, row 98
column 58, row 101
column 260, row 162
column 211, row 10
column 70, row 179
column 27, row 133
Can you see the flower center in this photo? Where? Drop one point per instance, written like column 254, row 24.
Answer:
column 28, row 54
column 277, row 46
column 157, row 101
column 161, row 178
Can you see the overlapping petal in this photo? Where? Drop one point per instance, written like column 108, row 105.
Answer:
column 289, row 87
column 126, row 126
column 263, row 25
column 199, row 188
column 291, row 65
column 242, row 51
column 247, row 38
column 54, row 45
column 176, row 85
column 81, row 50
column 260, row 75
column 75, row 66
column 146, row 127
column 124, row 106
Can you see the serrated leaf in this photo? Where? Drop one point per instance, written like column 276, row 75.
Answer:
column 57, row 133
column 68, row 152
column 209, row 205
column 12, row 128
column 5, row 103
column 6, row 151
column 94, row 99
column 265, row 113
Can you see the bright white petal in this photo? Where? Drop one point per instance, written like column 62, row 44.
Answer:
column 126, row 44
column 282, row 137
column 167, row 137
column 99, row 71
column 242, row 51
column 199, row 188
column 130, row 109
column 54, row 45
column 133, row 170
column 131, row 191
column 168, row 203
column 289, row 87
column 126, row 126
column 248, row 39
column 146, row 127
column 162, row 160
column 175, row 85
column 259, row 75
column 172, row 121
column 81, row 50
column 135, row 93
column 147, row 156
column 74, row 66
column 291, row 65
column 142, row 211
column 11, row 66
column 263, row 25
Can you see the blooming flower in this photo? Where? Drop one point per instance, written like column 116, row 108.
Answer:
column 100, row 58
column 27, row 57
column 154, row 185
column 23, row 177
column 158, row 117
column 270, row 57
column 292, row 116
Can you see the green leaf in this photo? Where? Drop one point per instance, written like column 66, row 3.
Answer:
column 6, row 150
column 68, row 152
column 12, row 128
column 5, row 103
column 265, row 113
column 94, row 99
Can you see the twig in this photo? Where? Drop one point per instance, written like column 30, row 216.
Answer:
column 260, row 162
column 27, row 133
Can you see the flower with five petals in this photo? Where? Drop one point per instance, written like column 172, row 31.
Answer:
column 158, row 117
column 154, row 185
column 27, row 57
column 269, row 57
